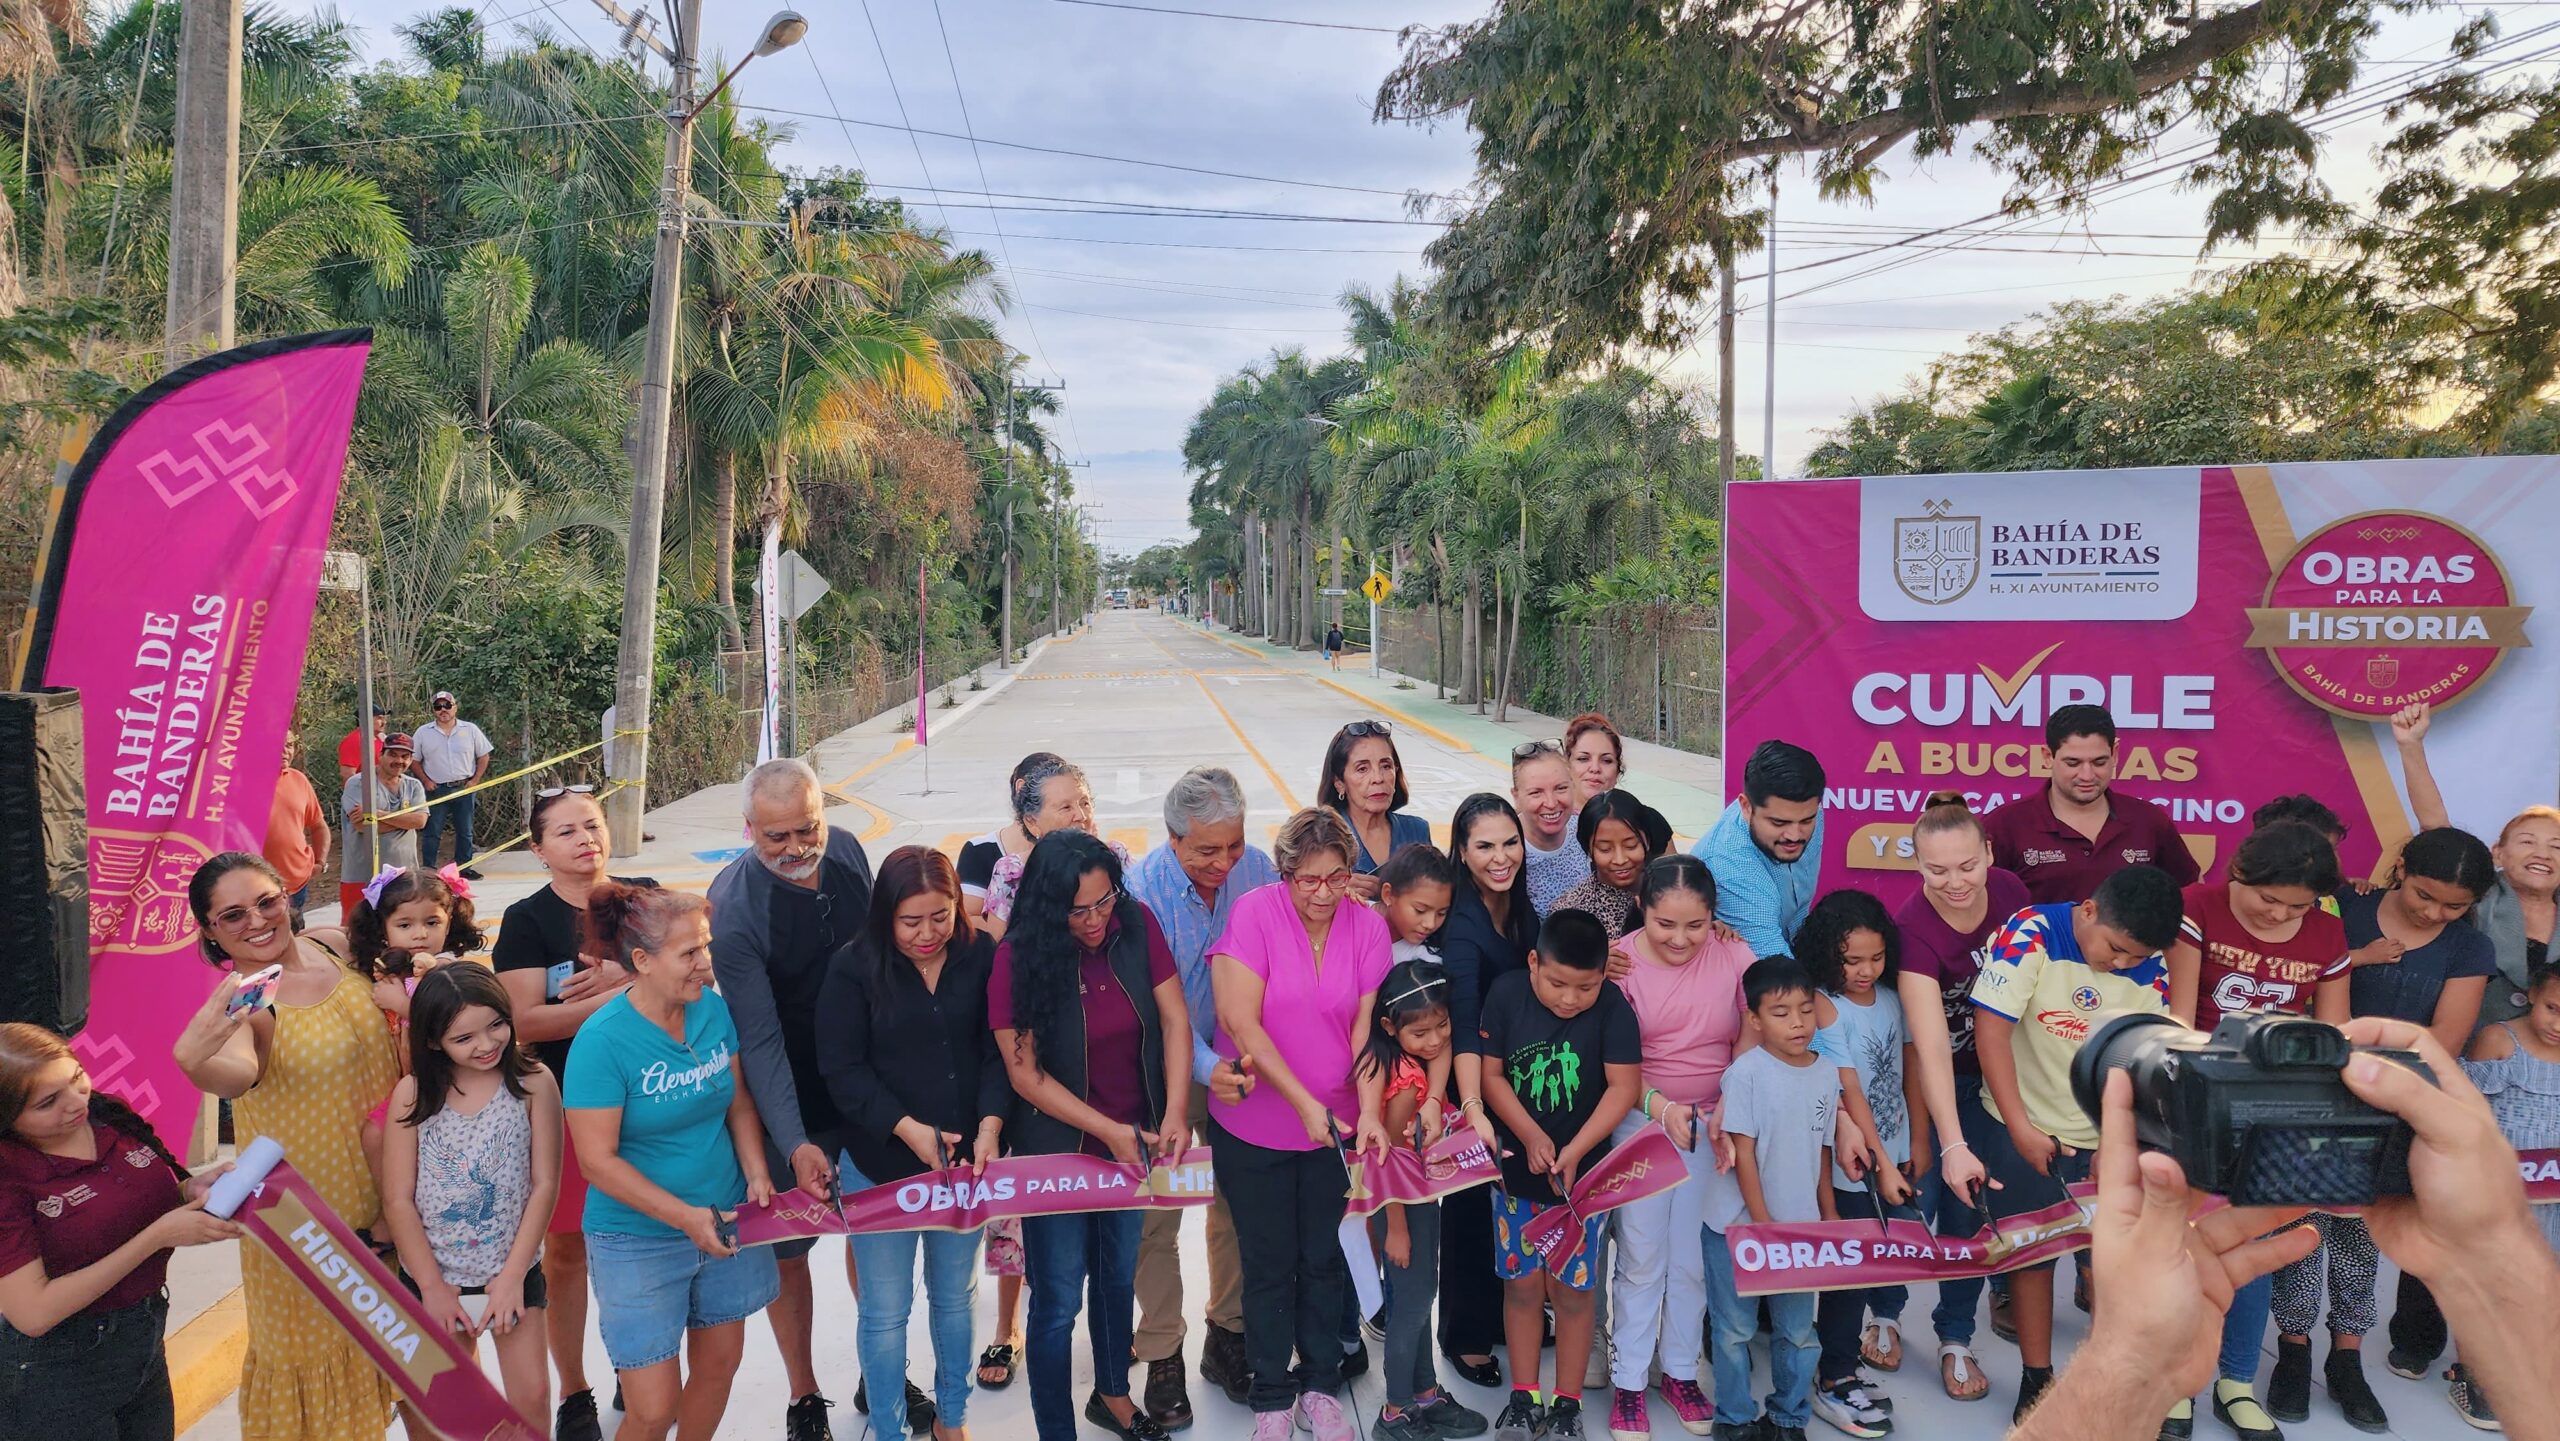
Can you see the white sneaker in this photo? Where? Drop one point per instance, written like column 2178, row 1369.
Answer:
column 1847, row 1407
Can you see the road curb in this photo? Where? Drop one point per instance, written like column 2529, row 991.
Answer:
column 206, row 1356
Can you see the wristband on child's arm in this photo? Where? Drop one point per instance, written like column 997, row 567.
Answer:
column 1645, row 1102
column 1954, row 1146
column 1474, row 1102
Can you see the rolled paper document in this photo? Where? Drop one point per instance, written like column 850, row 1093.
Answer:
column 234, row 1187
column 1363, row 1261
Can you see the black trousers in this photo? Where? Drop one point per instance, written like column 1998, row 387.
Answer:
column 99, row 1376
column 1470, row 1289
column 2417, row 1324
column 1287, row 1207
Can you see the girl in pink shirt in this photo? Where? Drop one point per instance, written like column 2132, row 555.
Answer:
column 1683, row 976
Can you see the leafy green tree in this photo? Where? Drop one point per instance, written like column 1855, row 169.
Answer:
column 1622, row 146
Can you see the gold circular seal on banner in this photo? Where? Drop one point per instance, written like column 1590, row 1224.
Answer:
column 2384, row 609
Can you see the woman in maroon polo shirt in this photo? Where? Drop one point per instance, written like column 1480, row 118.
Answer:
column 91, row 1204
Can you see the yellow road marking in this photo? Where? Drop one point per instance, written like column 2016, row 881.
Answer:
column 1286, row 795
column 1402, row 718
column 895, row 751
column 950, row 845
column 205, row 1356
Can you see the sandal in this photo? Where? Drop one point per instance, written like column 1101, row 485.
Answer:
column 998, row 1359
column 1881, row 1347
column 1961, row 1373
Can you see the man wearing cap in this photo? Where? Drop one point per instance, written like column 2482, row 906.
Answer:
column 453, row 756
column 374, row 797
column 351, row 749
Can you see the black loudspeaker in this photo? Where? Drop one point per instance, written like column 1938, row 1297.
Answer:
column 44, row 862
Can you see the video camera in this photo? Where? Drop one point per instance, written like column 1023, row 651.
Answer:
column 2258, row 1112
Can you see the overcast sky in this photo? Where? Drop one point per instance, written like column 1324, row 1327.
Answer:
column 1140, row 316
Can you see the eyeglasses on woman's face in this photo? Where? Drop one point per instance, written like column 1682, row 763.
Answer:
column 1095, row 911
column 268, row 906
column 1318, row 885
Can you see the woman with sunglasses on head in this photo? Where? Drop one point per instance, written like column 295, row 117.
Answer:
column 1542, row 792
column 1363, row 783
column 1083, row 995
column 1051, row 806
column 555, row 980
column 1296, row 977
column 305, row 1068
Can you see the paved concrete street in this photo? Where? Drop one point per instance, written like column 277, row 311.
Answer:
column 1135, row 700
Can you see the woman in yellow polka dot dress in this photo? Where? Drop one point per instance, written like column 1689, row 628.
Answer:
column 305, row 1070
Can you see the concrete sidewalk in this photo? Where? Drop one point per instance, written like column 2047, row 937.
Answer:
column 1685, row 786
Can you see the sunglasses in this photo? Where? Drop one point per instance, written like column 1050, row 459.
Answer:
column 548, row 792
column 1362, row 730
column 444, row 705
column 1527, row 749
column 270, row 904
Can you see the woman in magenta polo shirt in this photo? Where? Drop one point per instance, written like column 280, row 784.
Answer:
column 1296, row 977
column 91, row 1204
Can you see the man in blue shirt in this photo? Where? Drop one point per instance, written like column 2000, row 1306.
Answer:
column 1766, row 849
column 1192, row 883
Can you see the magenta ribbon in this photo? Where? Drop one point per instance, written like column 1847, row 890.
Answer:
column 1785, row 1256
column 1648, row 1165
column 954, row 1200
column 432, row 1369
column 1455, row 1162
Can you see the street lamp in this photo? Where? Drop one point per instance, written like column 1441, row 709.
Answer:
column 780, row 33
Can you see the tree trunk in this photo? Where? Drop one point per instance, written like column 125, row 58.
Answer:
column 1471, row 680
column 1510, row 653
column 1306, row 570
column 1335, row 550
column 1439, row 648
column 724, row 553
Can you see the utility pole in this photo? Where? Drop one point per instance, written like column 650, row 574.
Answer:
column 204, row 193
column 1724, row 366
column 636, row 675
column 1769, row 350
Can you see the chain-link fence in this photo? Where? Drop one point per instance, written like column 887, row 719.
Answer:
column 1660, row 684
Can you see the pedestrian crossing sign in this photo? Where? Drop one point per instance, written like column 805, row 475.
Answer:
column 1378, row 588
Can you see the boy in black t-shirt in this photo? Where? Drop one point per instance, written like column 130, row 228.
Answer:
column 1563, row 1063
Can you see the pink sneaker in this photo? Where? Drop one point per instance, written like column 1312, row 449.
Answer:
column 1697, row 1417
column 1627, row 1418
column 1324, row 1418
column 1271, row 1425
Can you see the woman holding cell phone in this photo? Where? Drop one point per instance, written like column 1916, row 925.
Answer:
column 555, row 981
column 304, row 1060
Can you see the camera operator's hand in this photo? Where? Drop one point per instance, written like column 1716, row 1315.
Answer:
column 2167, row 1283
column 2468, row 1196
column 2466, row 1231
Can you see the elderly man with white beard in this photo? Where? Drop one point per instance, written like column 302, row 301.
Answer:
column 777, row 913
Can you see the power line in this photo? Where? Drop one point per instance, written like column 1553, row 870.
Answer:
column 1098, row 155
column 903, row 117
column 1222, row 15
column 968, row 127
column 1184, row 324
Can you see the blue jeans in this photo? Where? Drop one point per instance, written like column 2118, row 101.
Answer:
column 444, row 809
column 886, row 1264
column 1064, row 1259
column 1732, row 1321
column 1959, row 1302
column 2244, row 1329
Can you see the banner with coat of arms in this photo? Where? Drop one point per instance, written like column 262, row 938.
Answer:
column 2251, row 628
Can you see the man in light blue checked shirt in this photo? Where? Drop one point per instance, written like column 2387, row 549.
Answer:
column 1191, row 883
column 1766, row 850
